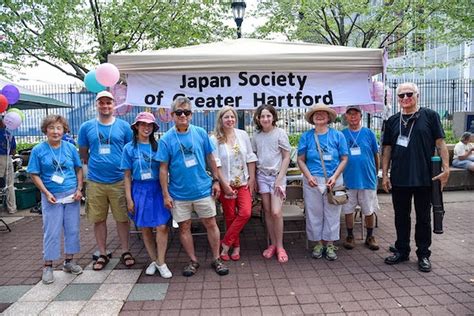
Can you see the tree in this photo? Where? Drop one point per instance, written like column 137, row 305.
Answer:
column 370, row 23
column 81, row 34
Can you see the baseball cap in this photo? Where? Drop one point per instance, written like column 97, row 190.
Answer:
column 353, row 107
column 104, row 94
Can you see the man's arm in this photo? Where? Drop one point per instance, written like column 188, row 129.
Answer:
column 84, row 154
column 216, row 188
column 164, row 185
column 444, row 154
column 386, row 156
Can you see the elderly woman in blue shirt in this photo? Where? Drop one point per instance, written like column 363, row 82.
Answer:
column 322, row 218
column 56, row 170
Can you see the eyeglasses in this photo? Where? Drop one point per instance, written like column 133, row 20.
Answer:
column 408, row 94
column 181, row 112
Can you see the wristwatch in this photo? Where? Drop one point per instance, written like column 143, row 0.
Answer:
column 214, row 180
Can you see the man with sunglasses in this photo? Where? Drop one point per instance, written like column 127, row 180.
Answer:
column 410, row 139
column 184, row 152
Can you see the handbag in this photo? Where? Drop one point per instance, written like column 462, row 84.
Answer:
column 337, row 195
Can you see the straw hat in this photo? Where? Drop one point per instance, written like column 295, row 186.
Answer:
column 320, row 107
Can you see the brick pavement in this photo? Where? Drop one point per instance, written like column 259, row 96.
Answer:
column 357, row 283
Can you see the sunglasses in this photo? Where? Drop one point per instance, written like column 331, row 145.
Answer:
column 408, row 95
column 181, row 112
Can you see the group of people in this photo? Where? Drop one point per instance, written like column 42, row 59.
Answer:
column 154, row 181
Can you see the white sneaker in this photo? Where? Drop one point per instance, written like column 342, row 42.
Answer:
column 151, row 270
column 164, row 271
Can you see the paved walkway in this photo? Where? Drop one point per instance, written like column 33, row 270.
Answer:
column 358, row 283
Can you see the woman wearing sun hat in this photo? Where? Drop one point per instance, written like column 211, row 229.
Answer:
column 322, row 218
column 143, row 191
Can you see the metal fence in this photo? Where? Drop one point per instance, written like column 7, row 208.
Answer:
column 443, row 96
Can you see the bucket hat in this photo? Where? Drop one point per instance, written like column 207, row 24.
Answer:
column 146, row 117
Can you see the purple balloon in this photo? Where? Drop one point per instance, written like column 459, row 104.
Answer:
column 11, row 93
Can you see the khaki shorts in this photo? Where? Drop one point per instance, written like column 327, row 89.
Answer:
column 366, row 199
column 99, row 196
column 204, row 208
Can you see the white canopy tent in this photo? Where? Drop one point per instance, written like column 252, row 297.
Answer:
column 246, row 72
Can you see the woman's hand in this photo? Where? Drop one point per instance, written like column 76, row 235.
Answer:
column 331, row 182
column 312, row 182
column 251, row 185
column 50, row 197
column 227, row 189
column 77, row 195
column 130, row 206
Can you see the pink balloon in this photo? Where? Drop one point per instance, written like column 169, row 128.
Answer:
column 122, row 109
column 12, row 120
column 107, row 74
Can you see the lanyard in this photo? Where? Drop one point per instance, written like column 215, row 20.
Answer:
column 400, row 125
column 181, row 145
column 58, row 160
column 140, row 158
column 355, row 139
column 110, row 132
column 327, row 141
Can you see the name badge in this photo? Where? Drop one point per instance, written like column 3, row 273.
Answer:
column 190, row 161
column 327, row 157
column 104, row 149
column 146, row 175
column 403, row 141
column 59, row 179
column 355, row 151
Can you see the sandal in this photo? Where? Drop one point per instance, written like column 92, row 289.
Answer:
column 126, row 257
column 100, row 263
column 190, row 269
column 235, row 256
column 220, row 267
column 282, row 255
column 269, row 252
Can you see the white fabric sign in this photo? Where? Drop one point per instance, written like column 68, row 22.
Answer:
column 248, row 90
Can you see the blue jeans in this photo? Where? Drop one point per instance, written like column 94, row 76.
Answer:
column 57, row 217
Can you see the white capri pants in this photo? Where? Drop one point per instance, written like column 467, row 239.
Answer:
column 322, row 219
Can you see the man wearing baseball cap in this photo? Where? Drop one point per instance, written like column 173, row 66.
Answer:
column 360, row 176
column 101, row 142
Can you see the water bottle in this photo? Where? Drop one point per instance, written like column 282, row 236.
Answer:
column 437, row 196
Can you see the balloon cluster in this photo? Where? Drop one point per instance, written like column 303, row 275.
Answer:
column 106, row 75
column 10, row 95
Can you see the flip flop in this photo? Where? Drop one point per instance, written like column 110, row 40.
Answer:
column 269, row 252
column 282, row 255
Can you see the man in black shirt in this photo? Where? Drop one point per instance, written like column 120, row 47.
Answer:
column 409, row 141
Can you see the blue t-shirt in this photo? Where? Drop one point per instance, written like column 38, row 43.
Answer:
column 187, row 183
column 360, row 173
column 110, row 139
column 332, row 143
column 45, row 161
column 140, row 159
column 4, row 134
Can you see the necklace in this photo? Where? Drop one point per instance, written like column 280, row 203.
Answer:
column 405, row 123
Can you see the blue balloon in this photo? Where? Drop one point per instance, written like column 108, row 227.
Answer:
column 11, row 93
column 91, row 82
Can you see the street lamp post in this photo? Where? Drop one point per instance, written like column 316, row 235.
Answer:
column 238, row 10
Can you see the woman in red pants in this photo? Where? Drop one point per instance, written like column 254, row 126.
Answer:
column 236, row 159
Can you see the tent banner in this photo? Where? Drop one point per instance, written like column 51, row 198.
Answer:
column 248, row 90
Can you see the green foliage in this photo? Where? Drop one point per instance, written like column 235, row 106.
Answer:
column 294, row 139
column 21, row 146
column 360, row 23
column 450, row 138
column 75, row 35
